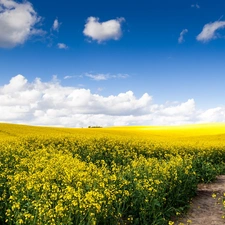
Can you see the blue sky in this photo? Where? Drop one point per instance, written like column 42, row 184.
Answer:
column 171, row 50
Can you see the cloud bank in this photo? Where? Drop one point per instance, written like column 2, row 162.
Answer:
column 50, row 103
column 17, row 23
column 100, row 32
column 209, row 31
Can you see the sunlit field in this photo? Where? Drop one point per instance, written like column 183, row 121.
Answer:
column 117, row 175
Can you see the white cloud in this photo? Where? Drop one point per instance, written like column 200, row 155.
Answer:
column 100, row 32
column 68, row 77
column 56, row 25
column 73, row 76
column 197, row 6
column 99, row 77
column 50, row 103
column 17, row 23
column 186, row 108
column 209, row 31
column 181, row 38
column 62, row 46
column 213, row 115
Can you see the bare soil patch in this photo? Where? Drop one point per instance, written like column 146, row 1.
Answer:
column 206, row 210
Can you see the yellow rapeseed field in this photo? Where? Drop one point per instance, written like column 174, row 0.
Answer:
column 119, row 175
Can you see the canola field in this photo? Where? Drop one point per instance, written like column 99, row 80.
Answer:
column 104, row 176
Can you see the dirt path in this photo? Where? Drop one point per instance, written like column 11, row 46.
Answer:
column 205, row 209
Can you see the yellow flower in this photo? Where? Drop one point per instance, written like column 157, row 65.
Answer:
column 214, row 195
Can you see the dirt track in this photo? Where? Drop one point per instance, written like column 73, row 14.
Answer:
column 205, row 209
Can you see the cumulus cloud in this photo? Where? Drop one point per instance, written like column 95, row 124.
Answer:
column 62, row 46
column 213, row 115
column 102, row 31
column 209, row 31
column 50, row 103
column 17, row 23
column 181, row 37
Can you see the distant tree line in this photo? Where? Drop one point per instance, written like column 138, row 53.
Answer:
column 94, row 127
